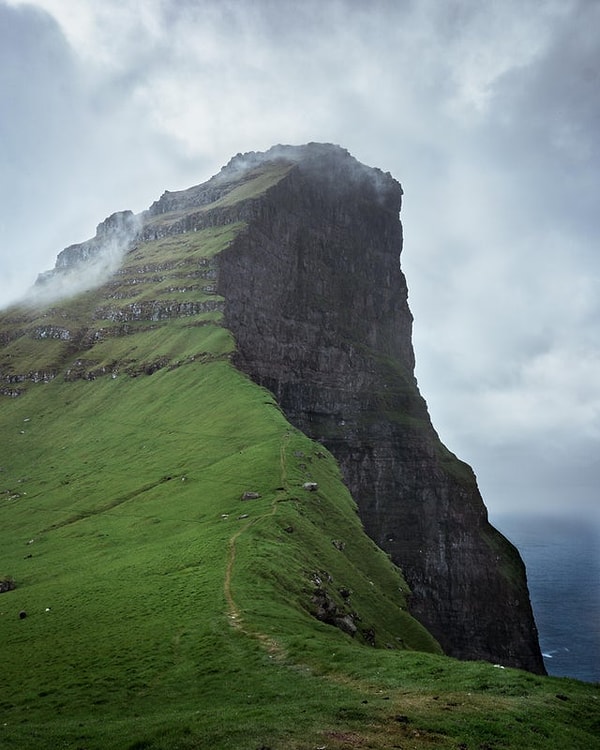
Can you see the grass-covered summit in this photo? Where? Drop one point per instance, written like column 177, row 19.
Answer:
column 189, row 569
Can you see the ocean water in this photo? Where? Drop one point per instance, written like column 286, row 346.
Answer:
column 562, row 556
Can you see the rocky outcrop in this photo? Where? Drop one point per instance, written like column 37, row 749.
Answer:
column 121, row 227
column 316, row 299
column 113, row 237
column 156, row 310
column 52, row 332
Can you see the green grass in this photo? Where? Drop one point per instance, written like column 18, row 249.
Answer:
column 121, row 501
column 177, row 250
column 261, row 179
column 120, row 513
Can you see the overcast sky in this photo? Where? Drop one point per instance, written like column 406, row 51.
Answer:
column 487, row 112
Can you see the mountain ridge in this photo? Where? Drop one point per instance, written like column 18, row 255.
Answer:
column 305, row 272
column 184, row 567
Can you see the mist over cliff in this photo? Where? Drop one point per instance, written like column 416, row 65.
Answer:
column 86, row 265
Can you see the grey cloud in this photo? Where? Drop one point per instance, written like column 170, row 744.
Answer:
column 485, row 112
column 37, row 83
column 74, row 147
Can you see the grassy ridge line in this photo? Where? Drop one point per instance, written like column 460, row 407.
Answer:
column 234, row 613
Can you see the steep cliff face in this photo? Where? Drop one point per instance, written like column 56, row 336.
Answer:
column 316, row 299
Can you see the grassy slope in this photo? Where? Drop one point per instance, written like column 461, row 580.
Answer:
column 123, row 487
column 179, row 615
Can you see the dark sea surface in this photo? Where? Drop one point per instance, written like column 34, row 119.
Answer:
column 562, row 556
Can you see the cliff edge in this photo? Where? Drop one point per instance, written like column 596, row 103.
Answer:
column 317, row 302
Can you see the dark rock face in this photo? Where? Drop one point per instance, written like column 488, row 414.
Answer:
column 316, row 299
column 120, row 226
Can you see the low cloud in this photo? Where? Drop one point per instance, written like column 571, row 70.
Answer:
column 87, row 265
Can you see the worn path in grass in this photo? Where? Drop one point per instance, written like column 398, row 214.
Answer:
column 234, row 613
column 377, row 731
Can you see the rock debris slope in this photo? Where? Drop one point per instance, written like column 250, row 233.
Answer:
column 305, row 273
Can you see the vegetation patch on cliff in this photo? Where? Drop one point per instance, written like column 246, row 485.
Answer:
column 119, row 327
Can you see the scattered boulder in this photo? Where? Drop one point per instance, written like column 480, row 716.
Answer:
column 326, row 610
column 250, row 495
column 325, row 607
column 346, row 624
column 22, row 614
column 318, row 576
column 338, row 544
column 6, row 584
column 369, row 636
column 310, row 486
